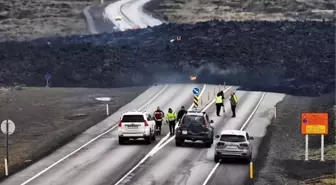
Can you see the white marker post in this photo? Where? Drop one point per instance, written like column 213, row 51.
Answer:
column 306, row 148
column 322, row 147
column 8, row 128
column 106, row 100
column 274, row 112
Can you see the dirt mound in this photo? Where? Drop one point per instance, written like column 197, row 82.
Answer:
column 290, row 57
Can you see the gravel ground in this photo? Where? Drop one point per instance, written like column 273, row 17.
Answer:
column 192, row 11
column 30, row 19
column 47, row 118
column 283, row 146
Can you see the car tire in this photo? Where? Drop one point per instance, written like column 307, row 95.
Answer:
column 178, row 143
column 216, row 159
column 248, row 159
column 153, row 137
column 148, row 140
column 121, row 141
column 208, row 143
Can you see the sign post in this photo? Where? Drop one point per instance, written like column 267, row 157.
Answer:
column 8, row 128
column 196, row 91
column 314, row 124
column 105, row 99
column 47, row 77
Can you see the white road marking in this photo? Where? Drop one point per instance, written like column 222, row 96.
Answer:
column 154, row 150
column 242, row 128
column 86, row 144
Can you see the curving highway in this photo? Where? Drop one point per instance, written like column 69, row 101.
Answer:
column 96, row 158
column 131, row 13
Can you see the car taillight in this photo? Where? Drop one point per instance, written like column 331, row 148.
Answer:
column 119, row 125
column 243, row 145
column 206, row 124
column 146, row 124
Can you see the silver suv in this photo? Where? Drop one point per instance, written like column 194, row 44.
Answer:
column 233, row 144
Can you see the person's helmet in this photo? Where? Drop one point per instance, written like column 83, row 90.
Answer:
column 182, row 107
column 158, row 108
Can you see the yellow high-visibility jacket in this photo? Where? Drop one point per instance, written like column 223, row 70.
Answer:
column 171, row 116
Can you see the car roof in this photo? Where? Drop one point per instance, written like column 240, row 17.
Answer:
column 134, row 113
column 233, row 132
column 195, row 113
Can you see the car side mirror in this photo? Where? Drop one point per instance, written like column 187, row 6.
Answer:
column 211, row 121
column 251, row 138
column 217, row 136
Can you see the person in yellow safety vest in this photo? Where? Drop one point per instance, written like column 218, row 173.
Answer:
column 171, row 119
column 233, row 101
column 219, row 103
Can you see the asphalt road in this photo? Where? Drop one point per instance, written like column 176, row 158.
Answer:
column 103, row 161
column 192, row 163
column 131, row 13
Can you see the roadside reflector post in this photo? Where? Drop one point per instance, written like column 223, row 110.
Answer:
column 6, row 167
column 215, row 92
column 224, row 86
column 314, row 124
column 306, row 148
column 322, row 147
column 208, row 96
column 196, row 101
column 274, row 112
column 251, row 170
column 107, row 109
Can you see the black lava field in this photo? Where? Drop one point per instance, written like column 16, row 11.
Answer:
column 290, row 57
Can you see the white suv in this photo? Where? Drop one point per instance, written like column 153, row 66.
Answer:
column 134, row 125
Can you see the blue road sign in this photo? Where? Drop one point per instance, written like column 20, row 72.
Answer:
column 196, row 91
column 47, row 76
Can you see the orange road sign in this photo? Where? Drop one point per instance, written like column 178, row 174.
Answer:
column 314, row 123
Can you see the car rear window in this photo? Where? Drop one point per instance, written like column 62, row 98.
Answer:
column 232, row 138
column 193, row 119
column 133, row 118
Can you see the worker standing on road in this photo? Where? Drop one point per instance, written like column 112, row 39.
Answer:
column 158, row 117
column 219, row 103
column 181, row 113
column 233, row 101
column 171, row 119
column 221, row 93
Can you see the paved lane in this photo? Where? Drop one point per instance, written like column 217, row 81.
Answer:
column 191, row 164
column 103, row 161
column 235, row 173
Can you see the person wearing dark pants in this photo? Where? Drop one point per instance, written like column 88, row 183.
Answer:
column 233, row 102
column 219, row 104
column 158, row 117
column 171, row 119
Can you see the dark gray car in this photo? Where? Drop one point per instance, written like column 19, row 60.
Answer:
column 195, row 126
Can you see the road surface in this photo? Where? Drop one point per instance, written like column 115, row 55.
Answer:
column 192, row 164
column 96, row 158
column 131, row 13
column 103, row 161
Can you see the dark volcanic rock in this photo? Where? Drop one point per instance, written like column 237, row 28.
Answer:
column 291, row 57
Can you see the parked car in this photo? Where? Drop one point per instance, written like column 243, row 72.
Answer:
column 134, row 125
column 195, row 126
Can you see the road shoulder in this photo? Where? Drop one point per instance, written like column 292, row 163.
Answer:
column 281, row 158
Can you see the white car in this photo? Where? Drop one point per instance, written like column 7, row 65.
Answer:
column 135, row 125
column 233, row 144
